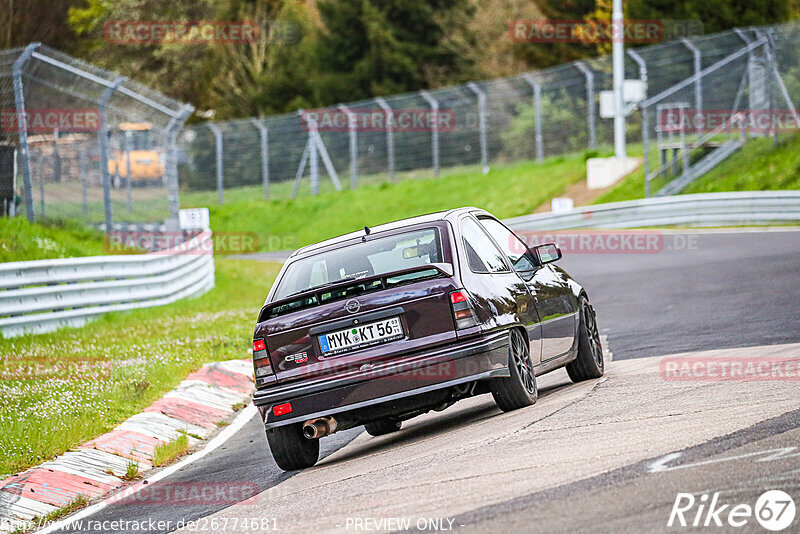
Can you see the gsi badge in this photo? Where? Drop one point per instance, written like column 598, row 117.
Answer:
column 352, row 306
column 300, row 357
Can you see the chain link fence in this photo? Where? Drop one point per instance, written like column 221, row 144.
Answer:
column 78, row 142
column 527, row 117
column 104, row 150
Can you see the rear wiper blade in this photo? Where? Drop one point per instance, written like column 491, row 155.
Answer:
column 345, row 279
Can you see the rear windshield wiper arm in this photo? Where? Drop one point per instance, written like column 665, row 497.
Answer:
column 345, row 279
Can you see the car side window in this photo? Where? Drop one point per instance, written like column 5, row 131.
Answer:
column 482, row 255
column 515, row 249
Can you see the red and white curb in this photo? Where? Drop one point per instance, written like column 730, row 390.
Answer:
column 194, row 407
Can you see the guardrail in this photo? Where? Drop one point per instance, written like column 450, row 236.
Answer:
column 704, row 209
column 44, row 295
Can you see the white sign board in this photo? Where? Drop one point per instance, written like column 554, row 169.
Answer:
column 561, row 205
column 632, row 91
column 194, row 219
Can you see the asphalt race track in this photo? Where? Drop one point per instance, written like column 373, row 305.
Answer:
column 609, row 455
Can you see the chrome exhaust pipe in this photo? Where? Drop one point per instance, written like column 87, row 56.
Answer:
column 319, row 428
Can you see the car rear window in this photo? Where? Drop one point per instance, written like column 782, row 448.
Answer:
column 374, row 257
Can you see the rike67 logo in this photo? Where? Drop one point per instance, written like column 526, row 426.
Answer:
column 774, row 510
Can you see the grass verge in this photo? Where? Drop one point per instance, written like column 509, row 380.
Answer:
column 22, row 241
column 757, row 166
column 60, row 389
column 506, row 191
column 166, row 452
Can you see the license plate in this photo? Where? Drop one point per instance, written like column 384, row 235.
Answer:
column 359, row 336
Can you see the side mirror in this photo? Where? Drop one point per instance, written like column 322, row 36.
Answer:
column 547, row 253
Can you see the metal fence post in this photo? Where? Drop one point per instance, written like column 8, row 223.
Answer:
column 313, row 156
column 84, row 185
column 645, row 147
column 434, row 104
column 537, row 115
column 40, row 157
column 263, row 133
column 481, row 124
column 645, row 135
column 56, row 158
column 127, row 148
column 171, row 169
column 778, row 79
column 218, row 147
column 389, row 134
column 698, row 67
column 103, row 138
column 353, row 144
column 22, row 125
column 587, row 72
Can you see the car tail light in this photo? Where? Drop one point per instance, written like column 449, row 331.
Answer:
column 463, row 312
column 282, row 409
column 261, row 363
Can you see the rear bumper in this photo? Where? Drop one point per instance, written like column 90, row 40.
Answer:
column 441, row 368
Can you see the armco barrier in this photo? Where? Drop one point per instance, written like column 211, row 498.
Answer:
column 704, row 209
column 44, row 295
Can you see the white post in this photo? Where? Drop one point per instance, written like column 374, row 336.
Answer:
column 537, row 115
column 389, row 134
column 218, row 148
column 434, row 104
column 353, row 142
column 591, row 125
column 698, row 67
column 618, row 53
column 481, row 124
column 263, row 134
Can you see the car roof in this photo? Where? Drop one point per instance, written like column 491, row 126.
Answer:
column 419, row 219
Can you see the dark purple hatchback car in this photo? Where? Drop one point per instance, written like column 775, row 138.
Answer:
column 384, row 324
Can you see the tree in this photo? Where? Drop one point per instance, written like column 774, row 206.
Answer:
column 370, row 47
column 45, row 21
column 271, row 75
column 178, row 70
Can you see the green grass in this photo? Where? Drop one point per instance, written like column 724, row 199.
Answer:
column 51, row 400
column 131, row 470
column 73, row 506
column 21, row 241
column 757, row 166
column 166, row 452
column 506, row 191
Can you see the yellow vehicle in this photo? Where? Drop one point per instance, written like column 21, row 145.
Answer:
column 146, row 163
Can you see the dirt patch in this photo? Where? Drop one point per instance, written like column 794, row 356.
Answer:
column 579, row 193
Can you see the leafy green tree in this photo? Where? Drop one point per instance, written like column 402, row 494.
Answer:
column 272, row 75
column 371, row 47
column 25, row 21
column 178, row 70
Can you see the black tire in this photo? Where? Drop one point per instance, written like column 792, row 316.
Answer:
column 292, row 450
column 589, row 363
column 519, row 390
column 384, row 426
